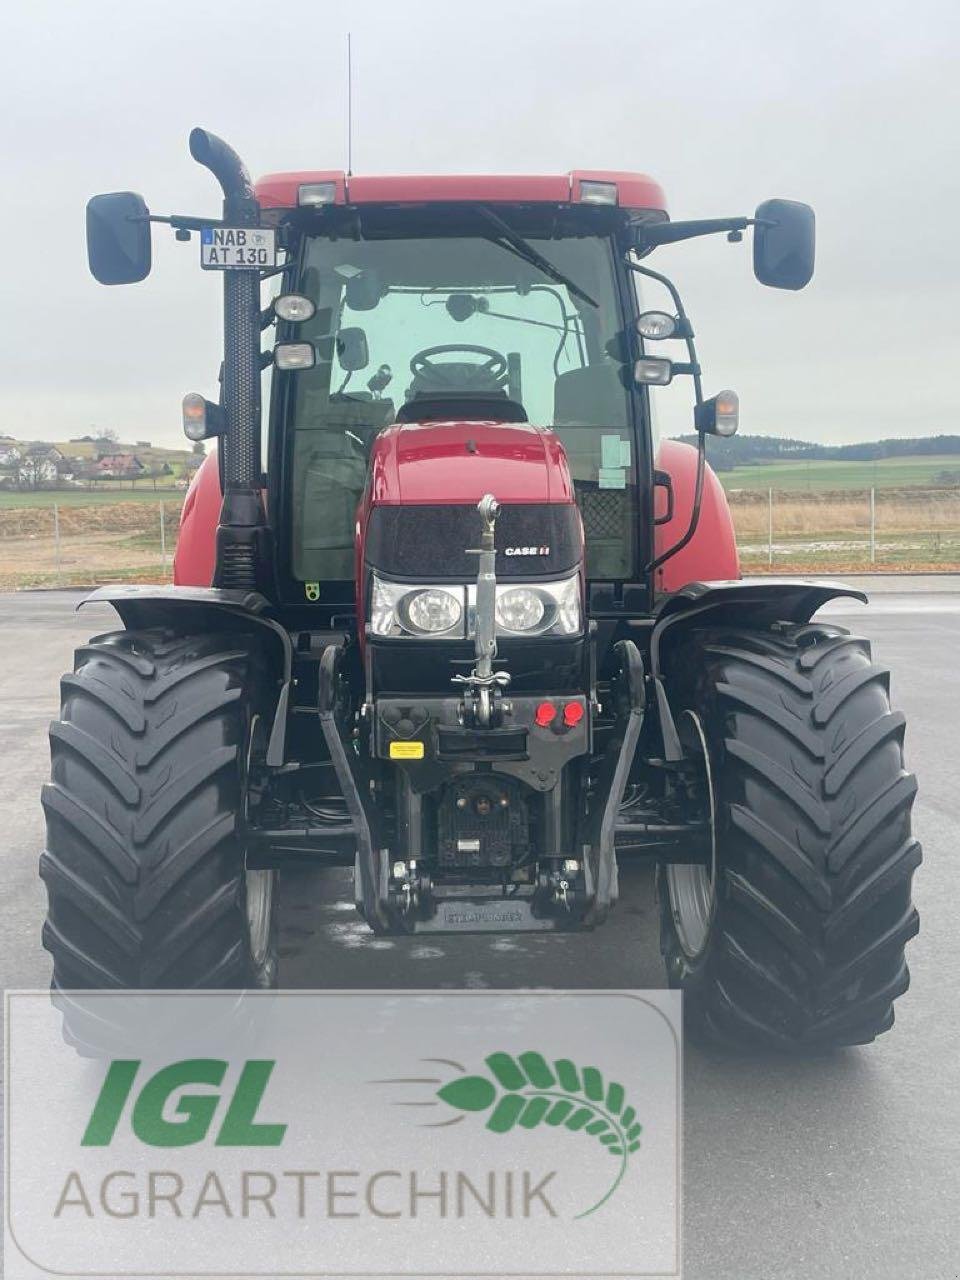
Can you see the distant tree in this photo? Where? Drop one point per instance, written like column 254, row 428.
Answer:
column 38, row 471
column 156, row 472
column 727, row 453
column 109, row 434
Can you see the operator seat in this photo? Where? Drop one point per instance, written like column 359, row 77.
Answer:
column 330, row 455
column 461, row 406
column 589, row 397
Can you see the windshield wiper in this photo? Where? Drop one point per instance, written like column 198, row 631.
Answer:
column 509, row 240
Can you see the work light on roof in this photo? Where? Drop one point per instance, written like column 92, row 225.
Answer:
column 653, row 371
column 598, row 192
column 294, row 355
column 294, row 307
column 656, row 325
column 312, row 194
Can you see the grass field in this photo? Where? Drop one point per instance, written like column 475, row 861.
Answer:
column 885, row 473
column 16, row 499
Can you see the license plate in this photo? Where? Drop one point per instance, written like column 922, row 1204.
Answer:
column 238, row 248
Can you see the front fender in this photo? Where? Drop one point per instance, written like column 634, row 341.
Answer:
column 189, row 610
column 757, row 602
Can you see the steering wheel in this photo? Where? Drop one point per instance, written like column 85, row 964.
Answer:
column 451, row 374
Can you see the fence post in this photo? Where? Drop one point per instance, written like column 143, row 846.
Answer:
column 769, row 527
column 163, row 544
column 873, row 526
column 56, row 539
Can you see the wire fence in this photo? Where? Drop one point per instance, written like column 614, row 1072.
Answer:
column 62, row 545
column 905, row 530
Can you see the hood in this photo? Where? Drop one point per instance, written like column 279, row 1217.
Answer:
column 458, row 462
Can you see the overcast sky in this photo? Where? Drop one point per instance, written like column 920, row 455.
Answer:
column 854, row 107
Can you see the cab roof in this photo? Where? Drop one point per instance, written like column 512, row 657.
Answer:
column 633, row 191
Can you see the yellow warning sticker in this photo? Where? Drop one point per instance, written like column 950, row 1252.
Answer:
column 406, row 750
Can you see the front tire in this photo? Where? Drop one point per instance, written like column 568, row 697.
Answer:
column 798, row 939
column 144, row 860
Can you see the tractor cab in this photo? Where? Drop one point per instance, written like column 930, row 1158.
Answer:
column 456, row 301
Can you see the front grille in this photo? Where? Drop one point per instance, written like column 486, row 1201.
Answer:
column 605, row 514
column 427, row 542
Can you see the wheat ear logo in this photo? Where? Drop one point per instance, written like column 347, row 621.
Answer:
column 527, row 1091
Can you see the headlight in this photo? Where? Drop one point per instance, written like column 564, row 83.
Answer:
column 449, row 612
column 430, row 611
column 401, row 609
column 534, row 609
column 519, row 609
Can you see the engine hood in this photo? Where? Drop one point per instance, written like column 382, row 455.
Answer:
column 446, row 463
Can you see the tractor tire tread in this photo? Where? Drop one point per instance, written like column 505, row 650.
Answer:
column 142, row 865
column 816, row 856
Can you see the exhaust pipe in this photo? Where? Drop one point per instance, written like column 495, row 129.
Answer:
column 242, row 528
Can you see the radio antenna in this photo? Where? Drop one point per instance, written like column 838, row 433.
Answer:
column 349, row 105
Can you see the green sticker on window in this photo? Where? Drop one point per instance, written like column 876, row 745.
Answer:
column 312, row 590
column 612, row 478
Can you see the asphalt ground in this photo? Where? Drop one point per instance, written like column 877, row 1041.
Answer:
column 843, row 1166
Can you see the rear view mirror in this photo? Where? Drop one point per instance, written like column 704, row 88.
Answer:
column 352, row 352
column 783, row 244
column 118, row 238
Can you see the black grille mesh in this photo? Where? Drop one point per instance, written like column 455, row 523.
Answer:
column 432, row 541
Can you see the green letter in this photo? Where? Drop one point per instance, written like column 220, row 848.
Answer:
column 238, row 1129
column 148, row 1121
column 113, row 1096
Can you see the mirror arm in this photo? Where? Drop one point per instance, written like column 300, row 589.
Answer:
column 181, row 222
column 650, row 235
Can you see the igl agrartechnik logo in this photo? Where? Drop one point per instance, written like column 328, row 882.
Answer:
column 166, row 1110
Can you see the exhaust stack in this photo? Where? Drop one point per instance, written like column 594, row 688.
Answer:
column 242, row 527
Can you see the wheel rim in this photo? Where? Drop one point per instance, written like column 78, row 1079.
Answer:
column 260, row 893
column 691, row 888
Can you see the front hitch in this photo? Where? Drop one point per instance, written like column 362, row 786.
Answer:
column 483, row 686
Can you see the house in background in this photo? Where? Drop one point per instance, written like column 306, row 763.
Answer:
column 41, row 466
column 120, row 466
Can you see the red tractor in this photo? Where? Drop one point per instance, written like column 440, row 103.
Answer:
column 464, row 626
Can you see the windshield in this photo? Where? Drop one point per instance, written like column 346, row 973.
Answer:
column 489, row 326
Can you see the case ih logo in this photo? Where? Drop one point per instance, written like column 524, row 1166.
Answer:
column 526, row 551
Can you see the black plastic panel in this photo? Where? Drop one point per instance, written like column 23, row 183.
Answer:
column 419, row 543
